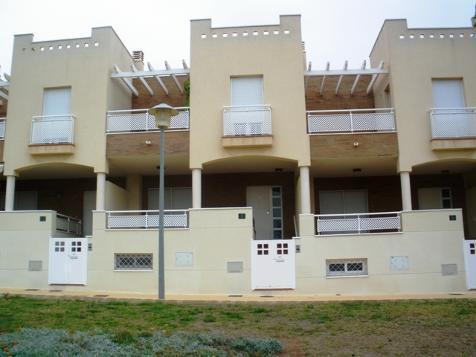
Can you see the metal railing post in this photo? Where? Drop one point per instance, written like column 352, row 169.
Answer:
column 351, row 122
column 358, row 224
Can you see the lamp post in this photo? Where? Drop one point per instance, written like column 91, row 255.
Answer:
column 162, row 113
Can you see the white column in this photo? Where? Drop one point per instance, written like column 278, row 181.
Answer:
column 197, row 188
column 10, row 193
column 305, row 189
column 406, row 190
column 100, row 191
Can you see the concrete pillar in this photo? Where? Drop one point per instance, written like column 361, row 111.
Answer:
column 406, row 190
column 197, row 188
column 10, row 193
column 305, row 190
column 100, row 191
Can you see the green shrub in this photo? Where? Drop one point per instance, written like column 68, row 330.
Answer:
column 48, row 342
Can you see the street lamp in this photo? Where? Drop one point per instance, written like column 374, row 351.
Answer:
column 162, row 113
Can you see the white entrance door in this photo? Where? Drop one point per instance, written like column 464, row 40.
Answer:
column 259, row 198
column 89, row 205
column 470, row 263
column 68, row 261
column 273, row 264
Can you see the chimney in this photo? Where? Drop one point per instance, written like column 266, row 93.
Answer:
column 138, row 57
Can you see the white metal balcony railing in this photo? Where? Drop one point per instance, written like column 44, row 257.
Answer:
column 52, row 129
column 351, row 121
column 453, row 122
column 146, row 219
column 2, row 128
column 247, row 120
column 134, row 120
column 359, row 223
column 68, row 224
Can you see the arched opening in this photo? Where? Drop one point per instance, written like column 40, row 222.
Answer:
column 268, row 184
column 446, row 184
column 68, row 189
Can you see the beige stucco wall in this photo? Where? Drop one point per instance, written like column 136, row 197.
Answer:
column 428, row 238
column 413, row 63
column 278, row 58
column 87, row 71
column 23, row 237
column 214, row 237
column 117, row 198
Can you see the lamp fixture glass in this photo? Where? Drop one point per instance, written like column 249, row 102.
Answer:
column 162, row 113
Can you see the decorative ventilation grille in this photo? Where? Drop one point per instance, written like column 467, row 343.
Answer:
column 346, row 267
column 133, row 261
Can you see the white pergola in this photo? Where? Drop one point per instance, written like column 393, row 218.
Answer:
column 152, row 74
column 363, row 76
column 4, row 84
column 356, row 75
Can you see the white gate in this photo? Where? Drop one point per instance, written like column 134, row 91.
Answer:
column 470, row 263
column 273, row 264
column 68, row 261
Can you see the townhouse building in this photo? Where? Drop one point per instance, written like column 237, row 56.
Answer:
column 279, row 177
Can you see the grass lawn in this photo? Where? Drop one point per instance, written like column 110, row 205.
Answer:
column 416, row 327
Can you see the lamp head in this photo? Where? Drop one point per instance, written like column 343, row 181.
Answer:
column 162, row 113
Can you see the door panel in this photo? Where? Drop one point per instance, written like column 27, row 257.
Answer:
column 429, row 198
column 68, row 260
column 259, row 197
column 273, row 264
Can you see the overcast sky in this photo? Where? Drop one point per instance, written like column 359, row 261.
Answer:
column 334, row 30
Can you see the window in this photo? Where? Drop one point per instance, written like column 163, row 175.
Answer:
column 345, row 201
column 175, row 198
column 57, row 101
column 448, row 93
column 276, row 201
column 346, row 267
column 435, row 198
column 247, row 91
column 133, row 261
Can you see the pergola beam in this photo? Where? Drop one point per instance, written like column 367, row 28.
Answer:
column 321, row 90
column 354, row 72
column 150, row 74
column 142, row 80
column 339, row 82
column 374, row 78
column 174, row 77
column 3, row 95
column 356, row 81
column 127, row 82
column 159, row 80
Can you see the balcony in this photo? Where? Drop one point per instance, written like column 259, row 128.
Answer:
column 133, row 133
column 352, row 133
column 376, row 120
column 146, row 219
column 139, row 120
column 453, row 128
column 362, row 223
column 2, row 128
column 248, row 125
column 52, row 134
